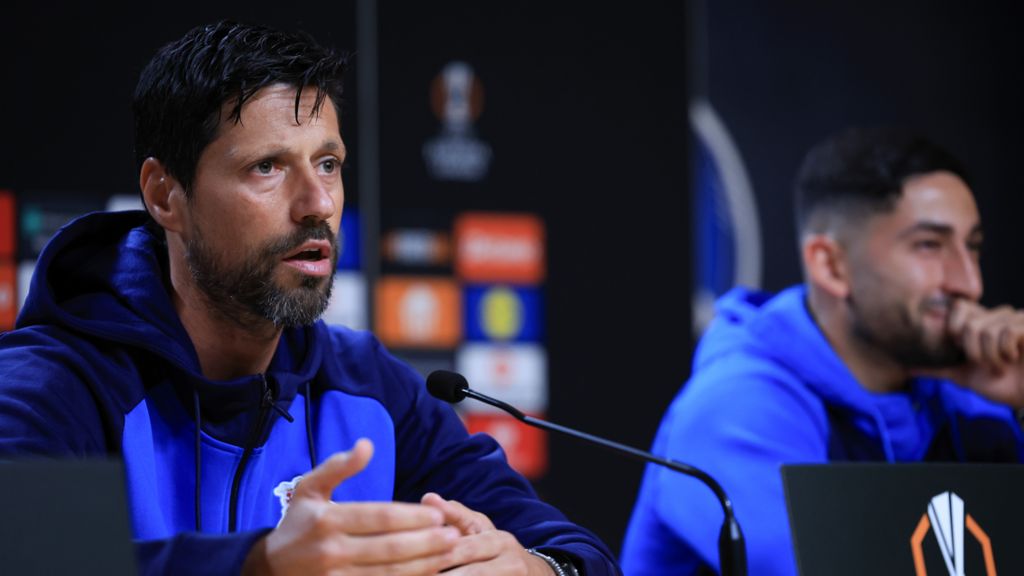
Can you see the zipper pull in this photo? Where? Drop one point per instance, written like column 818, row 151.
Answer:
column 268, row 402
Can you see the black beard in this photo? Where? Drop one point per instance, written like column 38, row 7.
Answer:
column 904, row 341
column 246, row 291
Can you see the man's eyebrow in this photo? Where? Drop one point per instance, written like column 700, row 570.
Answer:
column 279, row 151
column 941, row 228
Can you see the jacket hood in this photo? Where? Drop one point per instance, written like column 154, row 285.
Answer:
column 780, row 328
column 104, row 275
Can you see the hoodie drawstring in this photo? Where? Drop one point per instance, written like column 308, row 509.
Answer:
column 199, row 460
column 309, row 429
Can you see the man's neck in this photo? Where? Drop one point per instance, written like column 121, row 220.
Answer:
column 875, row 370
column 226, row 348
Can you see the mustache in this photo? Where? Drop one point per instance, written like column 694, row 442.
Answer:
column 941, row 303
column 318, row 231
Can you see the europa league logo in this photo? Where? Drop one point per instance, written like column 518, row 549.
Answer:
column 456, row 98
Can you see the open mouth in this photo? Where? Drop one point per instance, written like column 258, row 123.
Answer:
column 312, row 258
column 310, row 252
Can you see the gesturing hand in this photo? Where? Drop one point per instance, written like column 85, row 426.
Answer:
column 318, row 536
column 484, row 550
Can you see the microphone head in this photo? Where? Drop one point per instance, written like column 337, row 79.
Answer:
column 446, row 385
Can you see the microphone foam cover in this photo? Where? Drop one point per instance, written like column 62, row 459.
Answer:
column 446, row 385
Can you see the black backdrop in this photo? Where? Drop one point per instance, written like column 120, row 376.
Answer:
column 784, row 74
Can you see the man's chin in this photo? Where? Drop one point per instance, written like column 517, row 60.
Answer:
column 941, row 357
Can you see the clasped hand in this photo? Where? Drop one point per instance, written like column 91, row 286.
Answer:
column 318, row 536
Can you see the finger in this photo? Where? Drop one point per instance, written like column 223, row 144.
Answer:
column 962, row 311
column 1011, row 339
column 986, row 333
column 425, row 566
column 457, row 514
column 322, row 480
column 471, row 552
column 374, row 518
column 385, row 549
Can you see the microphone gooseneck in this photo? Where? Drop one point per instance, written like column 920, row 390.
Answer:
column 732, row 556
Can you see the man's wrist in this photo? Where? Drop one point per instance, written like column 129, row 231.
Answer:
column 558, row 567
column 256, row 562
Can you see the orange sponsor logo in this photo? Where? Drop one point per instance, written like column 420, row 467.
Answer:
column 493, row 247
column 418, row 312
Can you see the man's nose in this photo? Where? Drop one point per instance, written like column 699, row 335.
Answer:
column 314, row 199
column 963, row 275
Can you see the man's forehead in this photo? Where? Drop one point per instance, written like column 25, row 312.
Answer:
column 933, row 201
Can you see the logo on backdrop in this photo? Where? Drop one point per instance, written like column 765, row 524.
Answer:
column 727, row 247
column 456, row 153
column 946, row 520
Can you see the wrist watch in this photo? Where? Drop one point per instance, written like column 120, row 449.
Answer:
column 561, row 568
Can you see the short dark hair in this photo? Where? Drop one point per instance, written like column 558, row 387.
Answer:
column 860, row 171
column 181, row 91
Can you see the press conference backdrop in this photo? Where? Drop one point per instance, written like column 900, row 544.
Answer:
column 559, row 141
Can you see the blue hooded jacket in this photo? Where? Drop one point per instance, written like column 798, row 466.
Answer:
column 99, row 365
column 767, row 389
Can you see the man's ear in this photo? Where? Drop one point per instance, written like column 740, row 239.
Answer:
column 825, row 264
column 163, row 195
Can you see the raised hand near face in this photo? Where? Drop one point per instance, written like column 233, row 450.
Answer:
column 993, row 343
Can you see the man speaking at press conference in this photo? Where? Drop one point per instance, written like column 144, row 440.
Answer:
column 185, row 340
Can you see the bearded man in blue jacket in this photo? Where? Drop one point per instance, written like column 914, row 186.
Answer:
column 882, row 354
column 185, row 341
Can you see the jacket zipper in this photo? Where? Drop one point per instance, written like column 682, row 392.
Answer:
column 250, row 445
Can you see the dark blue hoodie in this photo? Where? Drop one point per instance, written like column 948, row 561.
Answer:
column 100, row 365
column 768, row 389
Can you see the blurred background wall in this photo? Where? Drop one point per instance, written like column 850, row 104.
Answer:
column 546, row 196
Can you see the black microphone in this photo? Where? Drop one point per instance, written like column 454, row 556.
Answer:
column 732, row 553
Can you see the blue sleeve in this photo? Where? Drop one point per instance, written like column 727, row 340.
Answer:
column 46, row 405
column 196, row 554
column 50, row 406
column 739, row 429
column 437, row 454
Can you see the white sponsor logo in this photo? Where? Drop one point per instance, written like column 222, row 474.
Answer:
column 284, row 492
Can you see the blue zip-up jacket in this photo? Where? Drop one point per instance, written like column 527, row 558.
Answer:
column 767, row 389
column 99, row 365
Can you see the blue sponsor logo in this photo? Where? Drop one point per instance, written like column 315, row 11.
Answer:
column 503, row 313
column 349, row 244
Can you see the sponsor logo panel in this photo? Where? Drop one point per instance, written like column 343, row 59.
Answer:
column 8, row 294
column 503, row 313
column 7, row 224
column 525, row 446
column 495, row 247
column 513, row 373
column 415, row 312
column 349, row 246
column 348, row 301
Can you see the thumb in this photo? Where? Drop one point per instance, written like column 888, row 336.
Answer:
column 323, row 479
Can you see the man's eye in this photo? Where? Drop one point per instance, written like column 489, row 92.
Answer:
column 330, row 165
column 928, row 245
column 265, row 167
